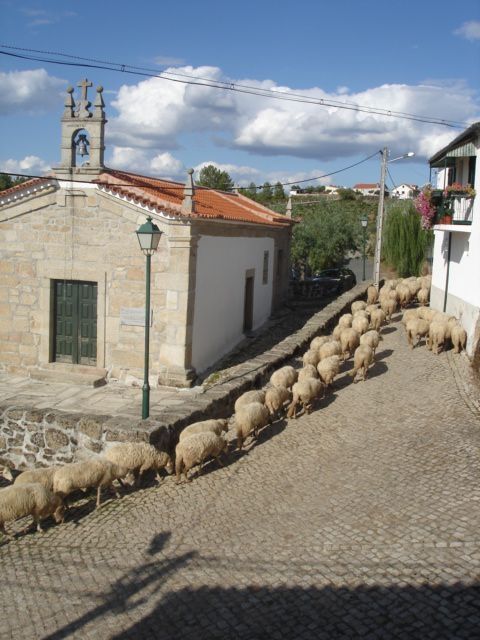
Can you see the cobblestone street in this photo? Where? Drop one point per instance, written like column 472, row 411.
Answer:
column 359, row 520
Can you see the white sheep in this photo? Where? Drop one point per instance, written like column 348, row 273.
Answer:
column 317, row 342
column 336, row 333
column 217, row 426
column 459, row 338
column 423, row 296
column 256, row 395
column 30, row 499
column 358, row 305
column 345, row 320
column 309, row 371
column 360, row 324
column 275, row 399
column 328, row 369
column 312, row 357
column 284, row 377
column 436, row 336
column 197, row 449
column 97, row 472
column 426, row 313
column 332, row 348
column 404, row 294
column 409, row 314
column 416, row 328
column 349, row 341
column 138, row 458
column 43, row 476
column 388, row 306
column 372, row 295
column 377, row 319
column 305, row 393
column 362, row 359
column 361, row 313
column 372, row 338
column 249, row 419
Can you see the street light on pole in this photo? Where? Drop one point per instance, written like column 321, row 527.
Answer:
column 380, row 213
column 364, row 223
column 148, row 235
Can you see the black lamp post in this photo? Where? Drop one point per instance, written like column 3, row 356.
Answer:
column 148, row 235
column 364, row 223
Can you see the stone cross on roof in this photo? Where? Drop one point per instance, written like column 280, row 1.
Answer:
column 82, row 108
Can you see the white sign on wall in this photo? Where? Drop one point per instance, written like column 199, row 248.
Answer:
column 134, row 316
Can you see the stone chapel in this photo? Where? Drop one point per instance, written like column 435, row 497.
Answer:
column 72, row 276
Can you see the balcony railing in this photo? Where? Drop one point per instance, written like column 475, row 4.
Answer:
column 454, row 208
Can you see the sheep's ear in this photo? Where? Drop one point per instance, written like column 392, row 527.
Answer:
column 7, row 474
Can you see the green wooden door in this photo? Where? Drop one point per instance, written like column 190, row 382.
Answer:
column 75, row 305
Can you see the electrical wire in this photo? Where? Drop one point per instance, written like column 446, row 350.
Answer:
column 228, row 86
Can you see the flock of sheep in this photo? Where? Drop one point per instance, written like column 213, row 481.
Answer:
column 43, row 492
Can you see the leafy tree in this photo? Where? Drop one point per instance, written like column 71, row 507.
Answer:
column 326, row 233
column 214, row 178
column 266, row 192
column 278, row 192
column 405, row 242
column 5, row 181
column 347, row 194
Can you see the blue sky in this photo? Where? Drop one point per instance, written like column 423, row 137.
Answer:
column 416, row 57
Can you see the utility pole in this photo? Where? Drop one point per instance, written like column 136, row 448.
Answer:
column 378, row 240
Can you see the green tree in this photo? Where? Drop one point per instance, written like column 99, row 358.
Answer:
column 278, row 192
column 266, row 193
column 5, row 181
column 405, row 242
column 214, row 178
column 347, row 194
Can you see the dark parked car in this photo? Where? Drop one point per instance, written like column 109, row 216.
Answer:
column 325, row 283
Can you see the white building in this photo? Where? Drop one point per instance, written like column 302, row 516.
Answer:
column 456, row 257
column 404, row 191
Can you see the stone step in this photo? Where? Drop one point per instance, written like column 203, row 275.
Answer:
column 70, row 374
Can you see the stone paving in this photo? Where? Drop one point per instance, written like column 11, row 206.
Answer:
column 360, row 520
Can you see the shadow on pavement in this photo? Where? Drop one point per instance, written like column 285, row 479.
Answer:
column 260, row 612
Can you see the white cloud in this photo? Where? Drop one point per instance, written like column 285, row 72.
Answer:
column 154, row 114
column 29, row 91
column 469, row 30
column 30, row 164
column 162, row 165
column 240, row 174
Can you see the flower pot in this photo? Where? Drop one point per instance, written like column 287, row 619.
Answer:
column 446, row 219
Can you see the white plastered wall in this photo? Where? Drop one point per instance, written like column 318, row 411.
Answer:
column 222, row 263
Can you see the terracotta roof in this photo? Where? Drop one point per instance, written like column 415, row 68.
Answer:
column 28, row 184
column 168, row 195
column 366, row 185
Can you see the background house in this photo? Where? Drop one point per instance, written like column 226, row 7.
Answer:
column 404, row 191
column 456, row 254
column 368, row 189
column 73, row 277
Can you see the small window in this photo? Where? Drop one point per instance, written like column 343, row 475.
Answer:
column 265, row 267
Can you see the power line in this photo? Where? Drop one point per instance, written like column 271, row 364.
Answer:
column 227, row 86
column 142, row 180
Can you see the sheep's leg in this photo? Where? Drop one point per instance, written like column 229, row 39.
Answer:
column 239, row 443
column 36, row 520
column 159, row 477
column 99, row 489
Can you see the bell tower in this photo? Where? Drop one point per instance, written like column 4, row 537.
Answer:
column 83, row 134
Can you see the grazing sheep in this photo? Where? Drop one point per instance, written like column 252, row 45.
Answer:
column 426, row 313
column 43, row 476
column 414, row 287
column 361, row 313
column 336, row 333
column 217, row 426
column 377, row 319
column 312, row 357
column 197, row 449
column 349, row 341
column 284, row 377
column 372, row 307
column 345, row 320
column 275, row 399
column 305, row 393
column 404, row 294
column 358, row 305
column 360, row 324
column 388, row 306
column 256, row 395
column 416, row 328
column 139, row 457
column 309, row 371
column 372, row 338
column 97, row 472
column 30, row 499
column 328, row 369
column 459, row 338
column 372, row 294
column 317, row 342
column 423, row 296
column 249, row 419
column 409, row 314
column 436, row 336
column 362, row 359
column 331, row 348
